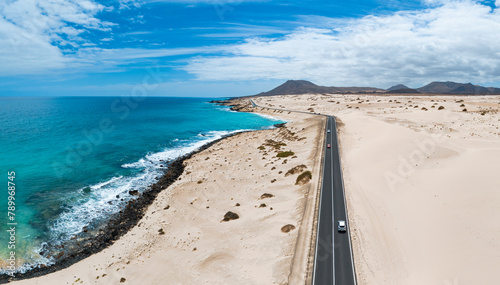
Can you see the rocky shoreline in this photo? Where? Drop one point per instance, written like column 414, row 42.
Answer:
column 237, row 105
column 89, row 244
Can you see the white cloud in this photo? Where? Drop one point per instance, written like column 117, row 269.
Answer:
column 137, row 3
column 213, row 2
column 453, row 41
column 239, row 31
column 118, row 56
column 435, row 2
column 30, row 29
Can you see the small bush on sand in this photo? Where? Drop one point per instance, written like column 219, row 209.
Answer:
column 266, row 195
column 295, row 170
column 303, row 178
column 285, row 154
column 441, row 108
column 274, row 144
column 287, row 228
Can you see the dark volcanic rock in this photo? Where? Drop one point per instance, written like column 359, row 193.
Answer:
column 230, row 216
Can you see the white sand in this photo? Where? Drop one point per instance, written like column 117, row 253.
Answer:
column 423, row 187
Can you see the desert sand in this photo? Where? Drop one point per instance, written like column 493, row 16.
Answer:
column 183, row 239
column 422, row 184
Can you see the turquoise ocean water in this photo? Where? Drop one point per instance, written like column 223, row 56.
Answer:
column 73, row 156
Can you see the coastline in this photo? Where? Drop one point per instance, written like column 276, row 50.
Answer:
column 137, row 211
column 119, row 224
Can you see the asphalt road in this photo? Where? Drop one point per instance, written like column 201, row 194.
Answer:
column 333, row 262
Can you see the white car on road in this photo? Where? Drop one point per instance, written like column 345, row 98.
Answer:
column 341, row 226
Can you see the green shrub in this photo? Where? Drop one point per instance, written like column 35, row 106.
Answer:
column 304, row 177
column 285, row 154
column 274, row 144
column 295, row 170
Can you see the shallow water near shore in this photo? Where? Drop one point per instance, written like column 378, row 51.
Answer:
column 77, row 159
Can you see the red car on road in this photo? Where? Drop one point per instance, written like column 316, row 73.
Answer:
column 328, row 146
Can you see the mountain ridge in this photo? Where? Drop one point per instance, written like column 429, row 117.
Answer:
column 298, row 87
column 398, row 87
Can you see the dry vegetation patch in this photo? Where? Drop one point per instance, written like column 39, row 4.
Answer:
column 295, row 170
column 304, row 178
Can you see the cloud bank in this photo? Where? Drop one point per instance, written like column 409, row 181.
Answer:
column 450, row 40
column 35, row 33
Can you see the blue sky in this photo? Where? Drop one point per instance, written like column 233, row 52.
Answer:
column 230, row 48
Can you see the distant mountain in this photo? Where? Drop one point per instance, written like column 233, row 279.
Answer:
column 439, row 87
column 458, row 88
column 469, row 89
column 398, row 87
column 296, row 87
column 403, row 91
column 358, row 89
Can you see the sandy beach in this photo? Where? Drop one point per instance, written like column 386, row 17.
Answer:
column 422, row 184
column 184, row 238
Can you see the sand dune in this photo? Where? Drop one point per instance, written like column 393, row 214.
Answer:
column 422, row 184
